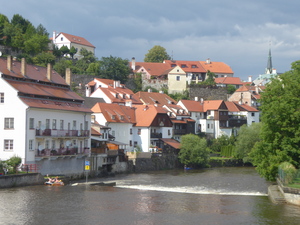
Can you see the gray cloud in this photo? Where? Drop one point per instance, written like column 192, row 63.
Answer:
column 235, row 32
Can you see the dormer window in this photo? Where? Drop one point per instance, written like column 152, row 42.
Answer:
column 183, row 66
column 122, row 117
column 173, row 65
column 194, row 66
column 113, row 117
column 124, row 96
column 117, row 95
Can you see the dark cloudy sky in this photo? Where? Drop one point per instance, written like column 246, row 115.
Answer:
column 236, row 32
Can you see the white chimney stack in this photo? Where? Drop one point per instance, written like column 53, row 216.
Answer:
column 133, row 63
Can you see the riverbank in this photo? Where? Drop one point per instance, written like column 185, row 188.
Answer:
column 18, row 180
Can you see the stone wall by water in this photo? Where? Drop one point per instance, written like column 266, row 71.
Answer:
column 21, row 180
column 156, row 162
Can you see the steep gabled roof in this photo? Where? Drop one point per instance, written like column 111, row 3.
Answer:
column 192, row 106
column 236, row 107
column 76, row 39
column 145, row 114
column 216, row 67
column 151, row 98
column 115, row 113
column 155, row 69
column 172, row 142
column 212, row 105
column 229, row 80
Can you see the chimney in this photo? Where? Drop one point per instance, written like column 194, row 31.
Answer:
column 133, row 63
column 23, row 67
column 68, row 76
column 208, row 61
column 54, row 36
column 49, row 71
column 196, row 98
column 249, row 78
column 9, row 63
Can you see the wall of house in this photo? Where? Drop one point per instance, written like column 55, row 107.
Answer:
column 236, row 96
column 121, row 131
column 142, row 139
column 175, row 85
column 67, row 117
column 12, row 107
column 69, row 166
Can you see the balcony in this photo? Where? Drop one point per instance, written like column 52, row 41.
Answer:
column 156, row 135
column 180, row 131
column 237, row 117
column 62, row 152
column 61, row 133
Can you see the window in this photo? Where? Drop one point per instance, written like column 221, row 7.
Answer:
column 30, row 145
column 130, row 130
column 86, row 125
column 139, row 132
column 178, row 78
column 31, row 123
column 169, row 132
column 61, row 124
column 54, row 124
column 47, row 123
column 208, row 126
column 53, row 145
column 74, row 125
column 135, row 143
column 1, row 97
column 8, row 145
column 47, row 144
column 252, row 114
column 8, row 123
column 61, row 38
column 130, row 143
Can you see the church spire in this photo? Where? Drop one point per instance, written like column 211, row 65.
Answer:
column 269, row 65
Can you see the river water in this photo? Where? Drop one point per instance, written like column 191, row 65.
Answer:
column 208, row 196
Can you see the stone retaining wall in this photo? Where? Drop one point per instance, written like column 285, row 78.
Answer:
column 21, row 180
column 291, row 195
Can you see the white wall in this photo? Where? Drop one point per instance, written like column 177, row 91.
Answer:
column 12, row 107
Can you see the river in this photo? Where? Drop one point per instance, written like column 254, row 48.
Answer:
column 208, row 196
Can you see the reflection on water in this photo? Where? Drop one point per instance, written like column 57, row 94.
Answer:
column 212, row 196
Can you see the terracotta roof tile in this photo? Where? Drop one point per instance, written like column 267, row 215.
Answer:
column 145, row 114
column 155, row 69
column 192, row 106
column 229, row 80
column 151, row 98
column 77, row 39
column 187, row 66
column 172, row 142
column 216, row 67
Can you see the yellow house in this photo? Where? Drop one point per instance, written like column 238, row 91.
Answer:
column 177, row 82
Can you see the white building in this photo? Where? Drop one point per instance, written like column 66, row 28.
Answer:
column 41, row 119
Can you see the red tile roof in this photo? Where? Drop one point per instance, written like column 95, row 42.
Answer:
column 229, row 80
column 155, row 69
column 187, row 66
column 115, row 113
column 192, row 106
column 216, row 67
column 145, row 114
column 172, row 142
column 32, row 72
column 212, row 105
column 151, row 98
column 77, row 39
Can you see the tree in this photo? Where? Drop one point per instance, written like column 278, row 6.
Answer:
column 280, row 134
column 72, row 52
column 157, row 54
column 210, row 80
column 14, row 162
column 114, row 68
column 245, row 141
column 231, row 89
column 64, row 50
column 3, row 21
column 61, row 66
column 193, row 151
column 43, row 59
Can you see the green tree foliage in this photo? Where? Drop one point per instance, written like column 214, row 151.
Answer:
column 280, row 134
column 216, row 144
column 245, row 141
column 157, row 54
column 179, row 96
column 114, row 68
column 287, row 172
column 14, row 162
column 210, row 80
column 231, row 89
column 3, row 22
column 227, row 151
column 42, row 59
column 193, row 151
column 72, row 51
column 62, row 65
column 64, row 50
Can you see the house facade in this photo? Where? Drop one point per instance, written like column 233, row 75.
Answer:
column 42, row 120
column 69, row 40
